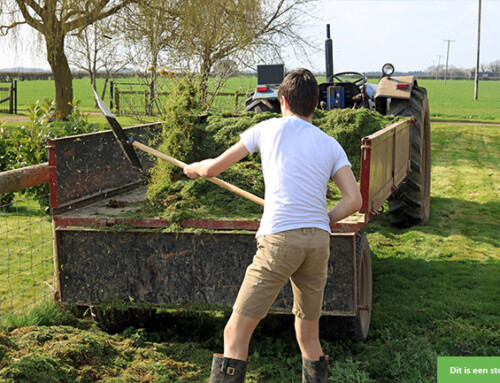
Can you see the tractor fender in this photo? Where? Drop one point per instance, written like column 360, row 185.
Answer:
column 388, row 87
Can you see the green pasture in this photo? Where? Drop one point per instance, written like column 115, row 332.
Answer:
column 26, row 258
column 451, row 102
column 455, row 100
column 435, row 293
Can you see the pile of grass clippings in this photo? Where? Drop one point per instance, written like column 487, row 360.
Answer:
column 189, row 139
column 63, row 354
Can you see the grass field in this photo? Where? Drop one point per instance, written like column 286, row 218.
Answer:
column 451, row 102
column 436, row 293
column 25, row 254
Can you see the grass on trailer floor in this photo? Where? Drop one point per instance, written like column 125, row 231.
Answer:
column 436, row 292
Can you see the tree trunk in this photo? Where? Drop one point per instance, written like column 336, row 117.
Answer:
column 62, row 75
column 152, row 83
column 206, row 65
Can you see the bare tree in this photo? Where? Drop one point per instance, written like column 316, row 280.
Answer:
column 94, row 50
column 151, row 28
column 54, row 19
column 213, row 30
column 494, row 66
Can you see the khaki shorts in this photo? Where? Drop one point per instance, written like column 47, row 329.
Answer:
column 300, row 255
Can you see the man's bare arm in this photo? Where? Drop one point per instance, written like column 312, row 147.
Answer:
column 213, row 167
column 351, row 196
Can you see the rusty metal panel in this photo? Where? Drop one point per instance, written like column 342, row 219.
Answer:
column 385, row 160
column 172, row 268
column 90, row 164
column 402, row 147
column 387, row 87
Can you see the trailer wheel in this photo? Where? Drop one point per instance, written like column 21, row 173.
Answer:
column 409, row 205
column 354, row 328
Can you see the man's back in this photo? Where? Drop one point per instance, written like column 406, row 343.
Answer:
column 297, row 161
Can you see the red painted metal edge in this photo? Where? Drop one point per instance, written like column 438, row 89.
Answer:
column 209, row 224
column 65, row 221
column 52, row 175
column 364, row 177
column 348, row 227
column 221, row 224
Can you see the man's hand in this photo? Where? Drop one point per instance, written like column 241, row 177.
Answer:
column 191, row 170
column 197, row 169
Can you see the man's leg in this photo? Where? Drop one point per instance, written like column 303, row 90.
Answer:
column 237, row 334
column 307, row 332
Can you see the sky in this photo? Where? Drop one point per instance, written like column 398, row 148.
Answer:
column 366, row 34
column 408, row 33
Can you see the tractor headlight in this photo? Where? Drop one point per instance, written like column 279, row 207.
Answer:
column 388, row 69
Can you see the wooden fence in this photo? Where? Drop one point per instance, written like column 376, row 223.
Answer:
column 8, row 98
column 139, row 102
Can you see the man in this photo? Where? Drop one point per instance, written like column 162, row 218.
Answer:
column 293, row 239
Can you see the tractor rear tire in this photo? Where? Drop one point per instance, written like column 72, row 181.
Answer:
column 409, row 205
column 354, row 328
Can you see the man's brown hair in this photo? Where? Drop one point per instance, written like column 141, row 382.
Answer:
column 300, row 89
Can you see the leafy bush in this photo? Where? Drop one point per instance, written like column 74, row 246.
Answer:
column 7, row 157
column 25, row 146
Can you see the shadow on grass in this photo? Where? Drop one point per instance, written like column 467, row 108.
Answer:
column 451, row 216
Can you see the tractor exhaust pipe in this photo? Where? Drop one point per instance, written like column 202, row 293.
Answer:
column 328, row 53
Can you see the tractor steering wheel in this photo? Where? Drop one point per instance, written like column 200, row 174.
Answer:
column 359, row 81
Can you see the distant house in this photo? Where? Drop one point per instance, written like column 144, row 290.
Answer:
column 472, row 74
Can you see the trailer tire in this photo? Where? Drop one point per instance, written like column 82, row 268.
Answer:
column 354, row 328
column 409, row 205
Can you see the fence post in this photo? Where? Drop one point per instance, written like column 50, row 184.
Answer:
column 111, row 84
column 146, row 103
column 117, row 101
column 15, row 96
column 11, row 98
column 236, row 94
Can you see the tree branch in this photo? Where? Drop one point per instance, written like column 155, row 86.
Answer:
column 96, row 14
column 31, row 21
column 4, row 29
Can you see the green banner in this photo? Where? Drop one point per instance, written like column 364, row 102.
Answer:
column 468, row 369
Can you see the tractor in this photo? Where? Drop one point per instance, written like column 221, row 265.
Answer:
column 409, row 205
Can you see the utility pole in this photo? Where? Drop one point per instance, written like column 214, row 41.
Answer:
column 476, row 77
column 447, row 57
column 439, row 64
column 433, row 65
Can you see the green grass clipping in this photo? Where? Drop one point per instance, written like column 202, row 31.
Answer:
column 189, row 138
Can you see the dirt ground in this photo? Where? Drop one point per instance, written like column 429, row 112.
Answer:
column 14, row 118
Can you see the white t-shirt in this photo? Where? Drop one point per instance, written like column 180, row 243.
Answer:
column 298, row 159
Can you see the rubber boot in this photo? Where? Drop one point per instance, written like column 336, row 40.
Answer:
column 315, row 371
column 227, row 370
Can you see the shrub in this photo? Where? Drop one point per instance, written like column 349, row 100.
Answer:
column 25, row 146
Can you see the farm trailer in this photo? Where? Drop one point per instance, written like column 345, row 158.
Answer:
column 94, row 188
